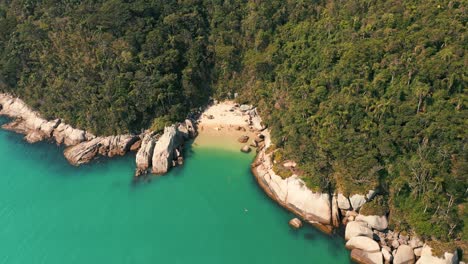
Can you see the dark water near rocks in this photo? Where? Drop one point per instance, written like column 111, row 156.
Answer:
column 208, row 211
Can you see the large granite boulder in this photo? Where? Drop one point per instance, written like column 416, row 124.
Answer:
column 145, row 153
column 343, row 202
column 364, row 243
column 428, row 258
column 387, row 256
column 404, row 255
column 292, row 192
column 355, row 228
column 369, row 250
column 315, row 206
column 357, row 201
column 164, row 149
column 375, row 221
column 363, row 257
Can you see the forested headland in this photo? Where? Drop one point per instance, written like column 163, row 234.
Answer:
column 362, row 94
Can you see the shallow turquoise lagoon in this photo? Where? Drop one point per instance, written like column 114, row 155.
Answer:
column 208, row 211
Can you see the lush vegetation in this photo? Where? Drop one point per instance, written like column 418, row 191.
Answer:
column 362, row 94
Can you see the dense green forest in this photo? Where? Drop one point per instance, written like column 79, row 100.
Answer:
column 363, row 94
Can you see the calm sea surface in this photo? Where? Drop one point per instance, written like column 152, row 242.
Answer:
column 208, row 211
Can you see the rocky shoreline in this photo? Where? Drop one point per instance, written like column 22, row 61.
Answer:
column 164, row 150
column 368, row 236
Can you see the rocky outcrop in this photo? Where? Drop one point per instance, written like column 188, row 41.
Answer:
column 363, row 257
column 292, row 192
column 145, row 153
column 246, row 149
column 369, row 250
column 158, row 153
column 363, row 243
column 28, row 122
column 84, row 146
column 295, row 223
column 66, row 134
column 355, row 228
column 255, row 120
column 357, row 201
column 343, row 202
column 375, row 221
column 105, row 146
column 404, row 255
column 164, row 153
column 428, row 258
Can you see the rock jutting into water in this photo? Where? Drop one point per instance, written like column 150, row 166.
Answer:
column 368, row 236
column 295, row 223
column 82, row 146
column 28, row 122
column 105, row 146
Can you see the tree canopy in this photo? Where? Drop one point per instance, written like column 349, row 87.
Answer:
column 362, row 94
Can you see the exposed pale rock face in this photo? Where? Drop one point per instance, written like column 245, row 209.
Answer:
column 70, row 136
column 246, row 149
column 245, row 108
column 369, row 250
column 105, row 146
column 343, row 202
column 187, row 129
column 417, row 251
column 355, row 228
column 292, row 191
column 36, row 128
column 255, row 120
column 404, row 255
column 387, row 256
column 376, row 222
column 363, row 243
column 357, row 201
column 144, row 154
column 370, row 195
column 163, row 153
column 363, row 257
column 427, row 258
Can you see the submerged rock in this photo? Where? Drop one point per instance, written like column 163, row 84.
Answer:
column 295, row 223
column 246, row 149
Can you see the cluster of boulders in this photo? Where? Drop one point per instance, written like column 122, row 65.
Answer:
column 25, row 121
column 367, row 236
column 109, row 146
column 158, row 152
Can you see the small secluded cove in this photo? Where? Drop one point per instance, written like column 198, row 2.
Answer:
column 208, row 211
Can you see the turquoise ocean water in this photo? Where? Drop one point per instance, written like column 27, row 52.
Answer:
column 208, row 211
